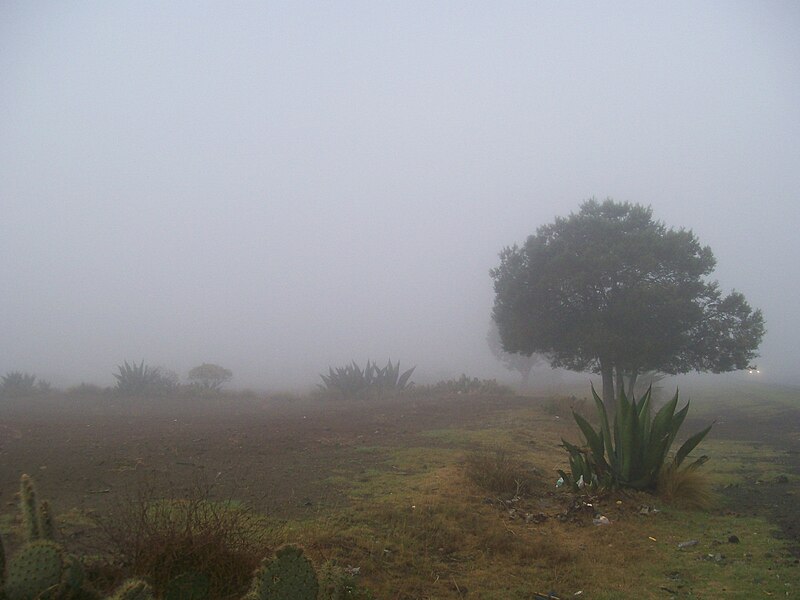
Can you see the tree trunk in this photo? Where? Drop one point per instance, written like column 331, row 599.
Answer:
column 607, row 371
column 526, row 377
column 620, row 387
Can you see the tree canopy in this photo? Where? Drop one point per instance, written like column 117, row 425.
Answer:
column 521, row 363
column 610, row 290
column 210, row 376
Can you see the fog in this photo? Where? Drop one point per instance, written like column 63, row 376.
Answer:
column 279, row 187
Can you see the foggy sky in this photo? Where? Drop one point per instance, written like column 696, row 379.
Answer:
column 281, row 186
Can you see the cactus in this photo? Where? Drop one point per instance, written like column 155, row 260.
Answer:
column 74, row 575
column 289, row 576
column 134, row 589
column 45, row 520
column 28, row 507
column 41, row 569
column 36, row 517
column 188, row 586
column 38, row 570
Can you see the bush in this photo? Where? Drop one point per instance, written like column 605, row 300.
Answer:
column 85, row 389
column 185, row 535
column 636, row 454
column 467, row 385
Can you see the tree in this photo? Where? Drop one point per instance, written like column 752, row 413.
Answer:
column 612, row 291
column 520, row 363
column 210, row 376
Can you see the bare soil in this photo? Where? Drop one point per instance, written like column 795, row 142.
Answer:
column 774, row 497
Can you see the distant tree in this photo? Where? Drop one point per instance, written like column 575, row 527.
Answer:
column 610, row 290
column 210, row 376
column 521, row 363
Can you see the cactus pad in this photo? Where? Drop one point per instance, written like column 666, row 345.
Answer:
column 289, row 576
column 188, row 586
column 36, row 571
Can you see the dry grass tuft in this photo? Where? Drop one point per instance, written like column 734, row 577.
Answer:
column 498, row 472
column 685, row 488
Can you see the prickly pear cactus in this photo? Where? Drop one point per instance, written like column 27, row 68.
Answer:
column 188, row 586
column 29, row 508
column 74, row 575
column 134, row 589
column 37, row 571
column 289, row 576
column 45, row 518
column 36, row 516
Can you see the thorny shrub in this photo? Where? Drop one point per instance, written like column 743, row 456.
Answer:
column 164, row 535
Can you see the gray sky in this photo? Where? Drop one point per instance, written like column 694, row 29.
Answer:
column 280, row 186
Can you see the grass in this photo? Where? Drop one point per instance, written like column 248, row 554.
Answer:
column 418, row 525
column 430, row 535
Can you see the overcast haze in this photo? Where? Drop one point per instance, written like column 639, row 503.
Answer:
column 277, row 187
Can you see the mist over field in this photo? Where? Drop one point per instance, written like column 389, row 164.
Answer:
column 280, row 187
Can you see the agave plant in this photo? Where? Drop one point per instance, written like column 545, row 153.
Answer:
column 136, row 379
column 352, row 381
column 634, row 454
column 390, row 378
column 17, row 383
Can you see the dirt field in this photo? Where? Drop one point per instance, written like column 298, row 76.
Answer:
column 273, row 455
column 278, row 455
column 297, row 458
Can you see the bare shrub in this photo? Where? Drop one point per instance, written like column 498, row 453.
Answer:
column 162, row 536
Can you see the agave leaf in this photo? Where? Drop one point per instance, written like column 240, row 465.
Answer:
column 677, row 421
column 571, row 448
column 690, row 444
column 601, row 410
column 697, row 463
column 644, row 415
column 594, row 440
column 661, row 427
column 627, row 441
column 401, row 383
